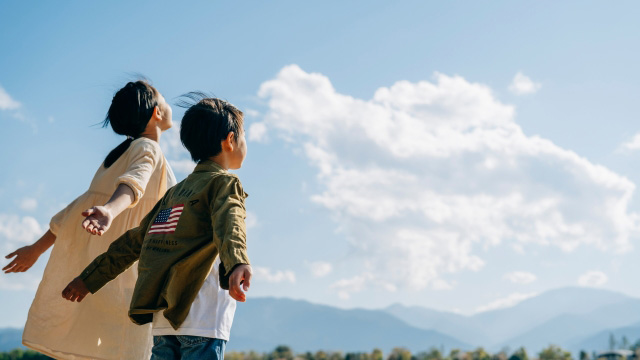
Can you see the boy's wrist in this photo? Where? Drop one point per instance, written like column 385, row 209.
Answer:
column 225, row 275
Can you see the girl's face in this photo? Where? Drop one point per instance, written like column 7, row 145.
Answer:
column 166, row 113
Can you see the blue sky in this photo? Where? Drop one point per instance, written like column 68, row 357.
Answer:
column 395, row 154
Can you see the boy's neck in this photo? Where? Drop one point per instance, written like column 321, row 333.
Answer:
column 221, row 160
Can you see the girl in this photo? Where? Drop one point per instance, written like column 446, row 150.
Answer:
column 133, row 177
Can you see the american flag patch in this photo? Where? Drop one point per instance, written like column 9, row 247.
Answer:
column 167, row 220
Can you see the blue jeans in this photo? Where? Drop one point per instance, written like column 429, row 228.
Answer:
column 169, row 347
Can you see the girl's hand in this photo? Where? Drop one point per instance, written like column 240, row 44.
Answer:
column 75, row 291
column 25, row 257
column 98, row 219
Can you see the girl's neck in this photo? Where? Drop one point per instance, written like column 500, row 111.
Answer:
column 152, row 134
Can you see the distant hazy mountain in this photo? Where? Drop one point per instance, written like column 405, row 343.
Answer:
column 574, row 318
column 459, row 326
column 600, row 340
column 262, row 324
column 10, row 339
column 494, row 329
column 566, row 329
column 506, row 323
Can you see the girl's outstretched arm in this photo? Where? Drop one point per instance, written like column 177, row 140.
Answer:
column 99, row 218
column 26, row 256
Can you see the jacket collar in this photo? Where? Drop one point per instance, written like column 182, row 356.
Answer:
column 208, row 166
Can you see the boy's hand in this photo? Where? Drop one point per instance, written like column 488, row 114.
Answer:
column 241, row 275
column 98, row 219
column 26, row 256
column 75, row 291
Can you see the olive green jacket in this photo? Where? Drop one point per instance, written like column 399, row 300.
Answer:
column 176, row 244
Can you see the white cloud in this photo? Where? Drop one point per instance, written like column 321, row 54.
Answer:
column 19, row 229
column 171, row 144
column 522, row 85
column 520, row 277
column 440, row 284
column 184, row 166
column 271, row 276
column 19, row 282
column 16, row 232
column 6, row 102
column 633, row 144
column 320, row 268
column 593, row 279
column 174, row 151
column 345, row 287
column 258, row 132
column 252, row 220
column 505, row 302
column 28, row 204
column 251, row 112
column 425, row 174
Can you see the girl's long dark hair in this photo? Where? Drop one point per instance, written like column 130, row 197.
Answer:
column 129, row 113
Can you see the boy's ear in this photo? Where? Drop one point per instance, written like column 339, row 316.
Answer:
column 229, row 142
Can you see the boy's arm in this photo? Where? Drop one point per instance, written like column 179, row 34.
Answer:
column 123, row 252
column 229, row 230
column 107, row 266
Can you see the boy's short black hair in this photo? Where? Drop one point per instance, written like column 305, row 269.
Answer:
column 206, row 123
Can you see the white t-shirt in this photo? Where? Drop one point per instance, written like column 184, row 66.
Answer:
column 210, row 316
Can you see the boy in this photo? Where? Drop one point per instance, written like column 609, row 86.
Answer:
column 177, row 242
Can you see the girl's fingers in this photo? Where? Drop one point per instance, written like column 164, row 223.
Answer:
column 11, row 264
column 88, row 212
column 11, row 255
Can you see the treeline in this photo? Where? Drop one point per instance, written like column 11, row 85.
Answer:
column 284, row 352
column 19, row 354
column 552, row 352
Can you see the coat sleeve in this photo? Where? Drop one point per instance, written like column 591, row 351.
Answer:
column 143, row 158
column 120, row 255
column 229, row 231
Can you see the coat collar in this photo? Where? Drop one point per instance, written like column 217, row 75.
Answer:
column 208, row 166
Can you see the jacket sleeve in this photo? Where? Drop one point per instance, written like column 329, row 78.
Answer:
column 122, row 253
column 229, row 231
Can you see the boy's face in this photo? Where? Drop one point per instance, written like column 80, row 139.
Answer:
column 239, row 152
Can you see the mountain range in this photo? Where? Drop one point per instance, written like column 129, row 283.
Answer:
column 574, row 318
column 563, row 316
